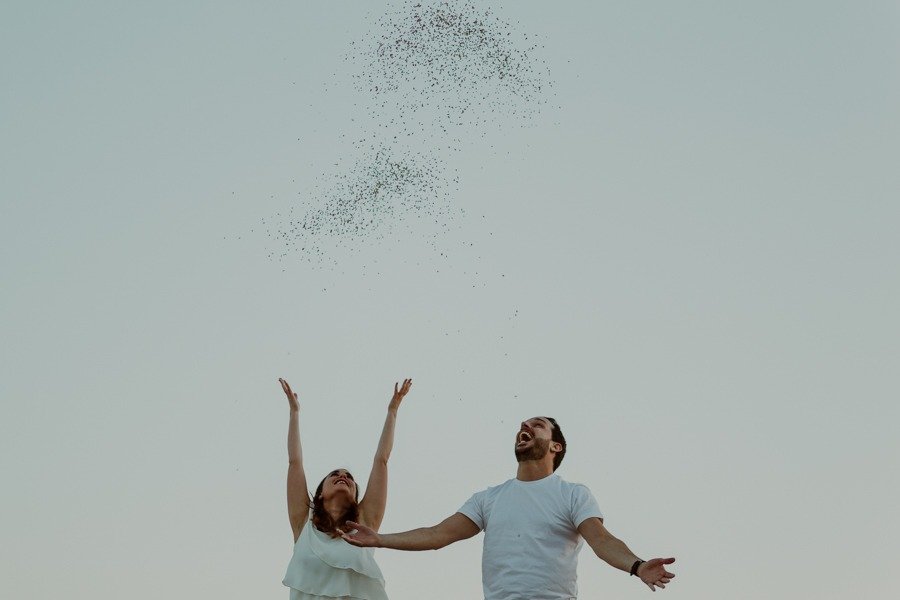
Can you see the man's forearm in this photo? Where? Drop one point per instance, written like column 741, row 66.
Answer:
column 615, row 553
column 424, row 538
column 452, row 529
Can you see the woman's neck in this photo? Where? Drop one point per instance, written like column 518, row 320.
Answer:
column 336, row 509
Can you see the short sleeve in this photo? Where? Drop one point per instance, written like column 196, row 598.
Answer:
column 584, row 505
column 474, row 509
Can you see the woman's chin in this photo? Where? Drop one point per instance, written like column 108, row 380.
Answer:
column 342, row 492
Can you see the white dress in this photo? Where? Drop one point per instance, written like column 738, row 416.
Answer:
column 329, row 568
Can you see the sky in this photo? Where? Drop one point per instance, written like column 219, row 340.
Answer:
column 688, row 257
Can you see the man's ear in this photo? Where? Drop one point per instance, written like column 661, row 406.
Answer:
column 557, row 447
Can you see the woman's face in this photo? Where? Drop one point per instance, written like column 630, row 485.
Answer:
column 338, row 482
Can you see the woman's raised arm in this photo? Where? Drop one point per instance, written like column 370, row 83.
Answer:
column 371, row 509
column 297, row 492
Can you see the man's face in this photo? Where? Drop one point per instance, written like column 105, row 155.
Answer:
column 533, row 439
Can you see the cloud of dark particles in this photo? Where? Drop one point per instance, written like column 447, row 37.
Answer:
column 375, row 193
column 432, row 68
column 432, row 80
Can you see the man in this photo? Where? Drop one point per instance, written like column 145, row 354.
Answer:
column 534, row 527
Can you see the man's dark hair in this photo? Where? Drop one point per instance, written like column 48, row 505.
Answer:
column 557, row 436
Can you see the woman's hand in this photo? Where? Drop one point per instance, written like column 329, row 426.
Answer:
column 399, row 394
column 292, row 397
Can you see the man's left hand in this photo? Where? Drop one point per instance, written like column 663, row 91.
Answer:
column 653, row 572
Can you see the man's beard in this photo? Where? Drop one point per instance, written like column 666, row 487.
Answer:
column 538, row 450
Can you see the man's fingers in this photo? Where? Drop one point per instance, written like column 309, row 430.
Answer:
column 348, row 536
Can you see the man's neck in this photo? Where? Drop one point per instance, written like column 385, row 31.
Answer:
column 532, row 470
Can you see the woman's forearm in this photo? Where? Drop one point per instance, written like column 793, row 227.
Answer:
column 295, row 454
column 386, row 443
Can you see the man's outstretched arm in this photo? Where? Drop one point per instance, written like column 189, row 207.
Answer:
column 452, row 529
column 614, row 551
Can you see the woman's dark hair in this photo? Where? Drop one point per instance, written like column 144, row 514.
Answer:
column 557, row 436
column 320, row 517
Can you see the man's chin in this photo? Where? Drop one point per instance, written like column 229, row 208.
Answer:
column 530, row 454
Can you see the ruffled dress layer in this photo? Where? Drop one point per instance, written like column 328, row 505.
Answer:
column 326, row 568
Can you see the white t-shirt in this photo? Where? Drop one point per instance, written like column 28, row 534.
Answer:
column 531, row 539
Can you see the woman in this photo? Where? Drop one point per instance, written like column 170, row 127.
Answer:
column 324, row 565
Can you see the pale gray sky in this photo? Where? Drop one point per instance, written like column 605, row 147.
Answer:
column 690, row 259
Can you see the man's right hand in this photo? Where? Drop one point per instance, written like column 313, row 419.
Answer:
column 360, row 535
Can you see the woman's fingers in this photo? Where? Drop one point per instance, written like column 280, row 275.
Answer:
column 292, row 397
column 401, row 390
